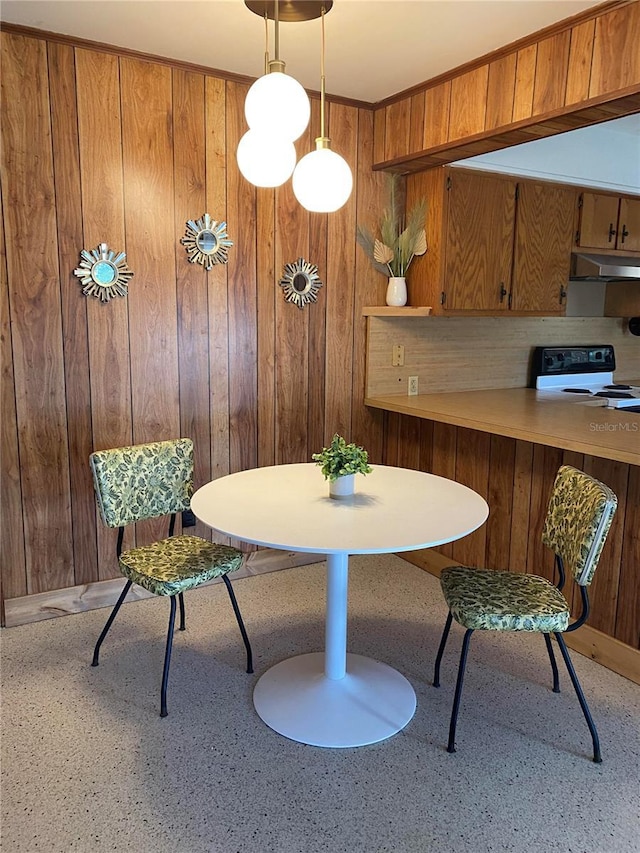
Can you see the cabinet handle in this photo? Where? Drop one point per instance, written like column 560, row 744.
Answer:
column 563, row 294
column 625, row 233
column 503, row 291
column 612, row 231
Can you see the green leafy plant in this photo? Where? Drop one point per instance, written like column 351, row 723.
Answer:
column 340, row 459
column 401, row 238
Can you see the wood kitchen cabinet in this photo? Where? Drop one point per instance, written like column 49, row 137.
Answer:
column 609, row 222
column 496, row 244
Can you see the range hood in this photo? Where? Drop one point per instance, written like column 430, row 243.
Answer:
column 592, row 267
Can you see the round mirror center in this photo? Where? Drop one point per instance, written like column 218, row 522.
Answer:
column 300, row 283
column 207, row 242
column 104, row 273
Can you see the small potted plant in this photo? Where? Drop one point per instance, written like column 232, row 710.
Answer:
column 401, row 239
column 340, row 463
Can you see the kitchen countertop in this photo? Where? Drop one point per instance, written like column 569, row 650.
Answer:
column 529, row 415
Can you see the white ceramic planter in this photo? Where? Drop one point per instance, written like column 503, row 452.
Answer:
column 343, row 487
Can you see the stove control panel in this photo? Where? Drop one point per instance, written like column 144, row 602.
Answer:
column 556, row 361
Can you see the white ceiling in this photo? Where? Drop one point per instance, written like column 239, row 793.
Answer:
column 374, row 48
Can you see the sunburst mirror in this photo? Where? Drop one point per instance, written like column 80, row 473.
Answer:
column 103, row 273
column 300, row 282
column 207, row 242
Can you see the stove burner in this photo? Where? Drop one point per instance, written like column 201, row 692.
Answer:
column 617, row 387
column 576, row 390
column 614, row 395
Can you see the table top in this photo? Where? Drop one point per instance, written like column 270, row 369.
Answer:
column 288, row 506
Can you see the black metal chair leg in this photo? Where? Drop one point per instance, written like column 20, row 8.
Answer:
column 554, row 666
column 443, row 643
column 597, row 757
column 451, row 746
column 236, row 610
column 182, row 618
column 105, row 630
column 167, row 659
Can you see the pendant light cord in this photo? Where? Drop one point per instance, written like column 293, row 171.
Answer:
column 266, row 43
column 322, row 92
column 276, row 18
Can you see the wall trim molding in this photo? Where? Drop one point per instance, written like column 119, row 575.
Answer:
column 92, row 596
column 601, row 648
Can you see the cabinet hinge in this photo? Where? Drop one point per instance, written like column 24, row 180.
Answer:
column 443, row 298
column 510, row 298
column 449, row 182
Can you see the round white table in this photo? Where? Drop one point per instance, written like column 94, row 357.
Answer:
column 337, row 699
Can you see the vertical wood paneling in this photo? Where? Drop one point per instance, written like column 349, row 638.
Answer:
column 580, row 56
column 292, row 326
column 267, row 294
column 34, row 296
column 426, row 446
column 218, row 300
column 468, row 103
column 444, row 460
column 437, row 102
column 340, row 284
column 519, row 541
column 546, row 461
column 500, row 499
column 472, row 470
column 500, row 89
column 243, row 378
column 366, row 423
column 392, row 438
column 416, row 132
column 64, row 119
column 616, row 58
column 191, row 279
column 101, row 182
column 551, row 73
column 13, row 574
column 525, row 79
column 379, row 133
column 628, row 612
column 147, row 160
column 398, row 123
column 409, row 443
column 318, row 249
column 603, row 592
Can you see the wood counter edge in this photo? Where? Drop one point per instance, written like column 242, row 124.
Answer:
column 403, row 405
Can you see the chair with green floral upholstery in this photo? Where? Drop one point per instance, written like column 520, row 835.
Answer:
column 577, row 522
column 150, row 481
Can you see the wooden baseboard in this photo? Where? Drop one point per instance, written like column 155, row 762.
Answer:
column 605, row 650
column 77, row 599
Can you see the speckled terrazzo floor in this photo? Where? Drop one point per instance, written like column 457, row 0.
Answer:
column 88, row 765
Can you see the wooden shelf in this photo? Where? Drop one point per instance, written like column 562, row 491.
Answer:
column 390, row 311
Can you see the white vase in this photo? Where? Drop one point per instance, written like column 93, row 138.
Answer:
column 343, row 487
column 397, row 291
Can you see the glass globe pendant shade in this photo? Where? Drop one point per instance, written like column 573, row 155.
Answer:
column 265, row 160
column 322, row 181
column 277, row 103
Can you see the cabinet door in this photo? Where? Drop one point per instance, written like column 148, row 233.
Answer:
column 479, row 242
column 542, row 254
column 629, row 225
column 598, row 221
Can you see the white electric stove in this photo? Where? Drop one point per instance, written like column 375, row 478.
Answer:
column 582, row 374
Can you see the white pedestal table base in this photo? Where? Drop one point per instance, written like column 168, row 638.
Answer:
column 370, row 703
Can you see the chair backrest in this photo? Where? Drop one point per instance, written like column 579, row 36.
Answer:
column 143, row 481
column 580, row 512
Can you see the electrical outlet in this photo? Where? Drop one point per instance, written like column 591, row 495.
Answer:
column 412, row 388
column 397, row 356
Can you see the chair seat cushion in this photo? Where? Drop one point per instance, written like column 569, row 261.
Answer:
column 179, row 563
column 503, row 601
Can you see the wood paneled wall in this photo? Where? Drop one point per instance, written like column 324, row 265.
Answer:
column 515, row 478
column 98, row 147
column 570, row 75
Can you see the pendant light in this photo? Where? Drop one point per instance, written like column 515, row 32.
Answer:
column 322, row 180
